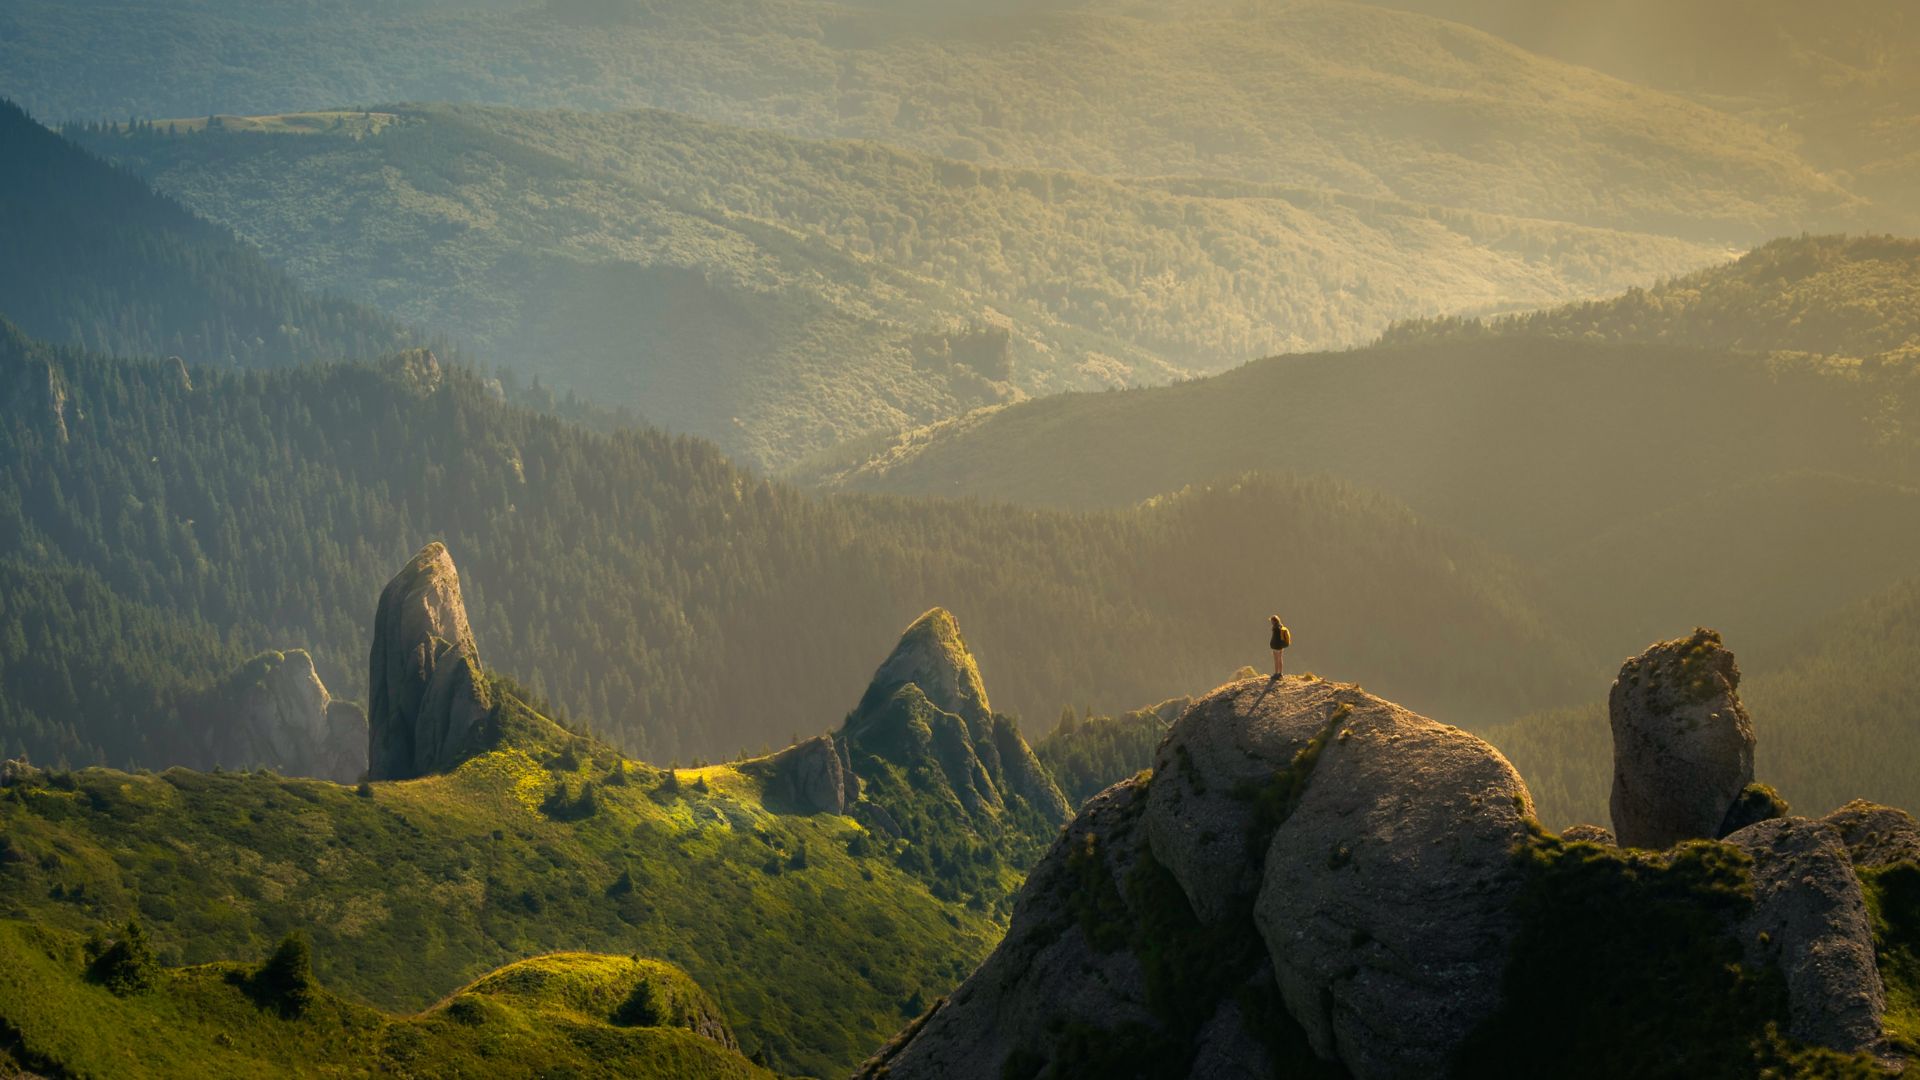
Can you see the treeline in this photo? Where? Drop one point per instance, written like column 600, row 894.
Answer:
column 660, row 595
column 93, row 257
column 1856, row 297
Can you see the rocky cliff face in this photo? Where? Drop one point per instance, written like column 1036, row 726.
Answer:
column 426, row 695
column 1682, row 742
column 274, row 712
column 1316, row 882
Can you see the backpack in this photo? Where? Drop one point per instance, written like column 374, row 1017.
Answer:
column 1286, row 637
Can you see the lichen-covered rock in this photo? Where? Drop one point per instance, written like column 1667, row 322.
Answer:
column 425, row 691
column 1682, row 742
column 1387, row 897
column 1047, row 975
column 1810, row 919
column 932, row 655
column 1591, row 834
column 1201, row 811
column 1876, row 835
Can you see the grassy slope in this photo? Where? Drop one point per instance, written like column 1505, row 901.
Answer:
column 1332, row 95
column 200, row 1021
column 427, row 884
column 766, row 291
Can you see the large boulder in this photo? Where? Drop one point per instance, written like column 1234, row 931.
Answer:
column 1809, row 919
column 1387, row 897
column 1201, row 810
column 426, row 694
column 1048, row 974
column 1682, row 742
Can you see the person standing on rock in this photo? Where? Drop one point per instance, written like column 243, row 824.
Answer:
column 1281, row 639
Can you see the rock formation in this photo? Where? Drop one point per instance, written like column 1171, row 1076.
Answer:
column 1387, row 903
column 1352, row 862
column 1310, row 871
column 426, row 694
column 813, row 777
column 1682, row 742
column 926, row 702
column 275, row 712
column 1809, row 919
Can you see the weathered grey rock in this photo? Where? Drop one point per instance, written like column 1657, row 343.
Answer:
column 1592, row 834
column 1200, row 814
column 1386, row 904
column 1046, row 973
column 1876, row 835
column 1228, row 1049
column 273, row 711
column 1682, row 742
column 1810, row 919
column 425, row 691
column 17, row 771
column 812, row 777
column 932, row 655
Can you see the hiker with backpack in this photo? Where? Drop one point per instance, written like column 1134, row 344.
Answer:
column 1282, row 639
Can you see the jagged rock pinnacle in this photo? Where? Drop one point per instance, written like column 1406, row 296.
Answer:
column 425, row 692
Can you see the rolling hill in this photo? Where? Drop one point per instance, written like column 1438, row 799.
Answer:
column 95, row 258
column 781, row 295
column 677, row 604
column 1346, row 97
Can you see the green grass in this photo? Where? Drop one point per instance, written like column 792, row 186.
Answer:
column 425, row 885
column 201, row 1021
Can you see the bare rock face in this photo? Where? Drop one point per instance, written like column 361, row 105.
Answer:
column 1876, row 835
column 1810, row 919
column 1591, row 834
column 1200, row 815
column 275, row 712
column 812, row 777
column 1682, row 742
column 1047, row 973
column 1387, row 902
column 426, row 694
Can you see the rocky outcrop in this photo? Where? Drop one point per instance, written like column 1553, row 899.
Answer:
column 812, row 777
column 1387, row 900
column 1201, row 810
column 1352, row 858
column 1052, row 970
column 1876, row 835
column 1809, row 919
column 1682, row 742
column 274, row 712
column 927, row 703
column 426, row 694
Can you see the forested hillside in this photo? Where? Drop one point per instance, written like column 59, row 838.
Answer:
column 779, row 295
column 1853, row 298
column 1325, row 95
column 94, row 258
column 669, row 600
column 1837, row 77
